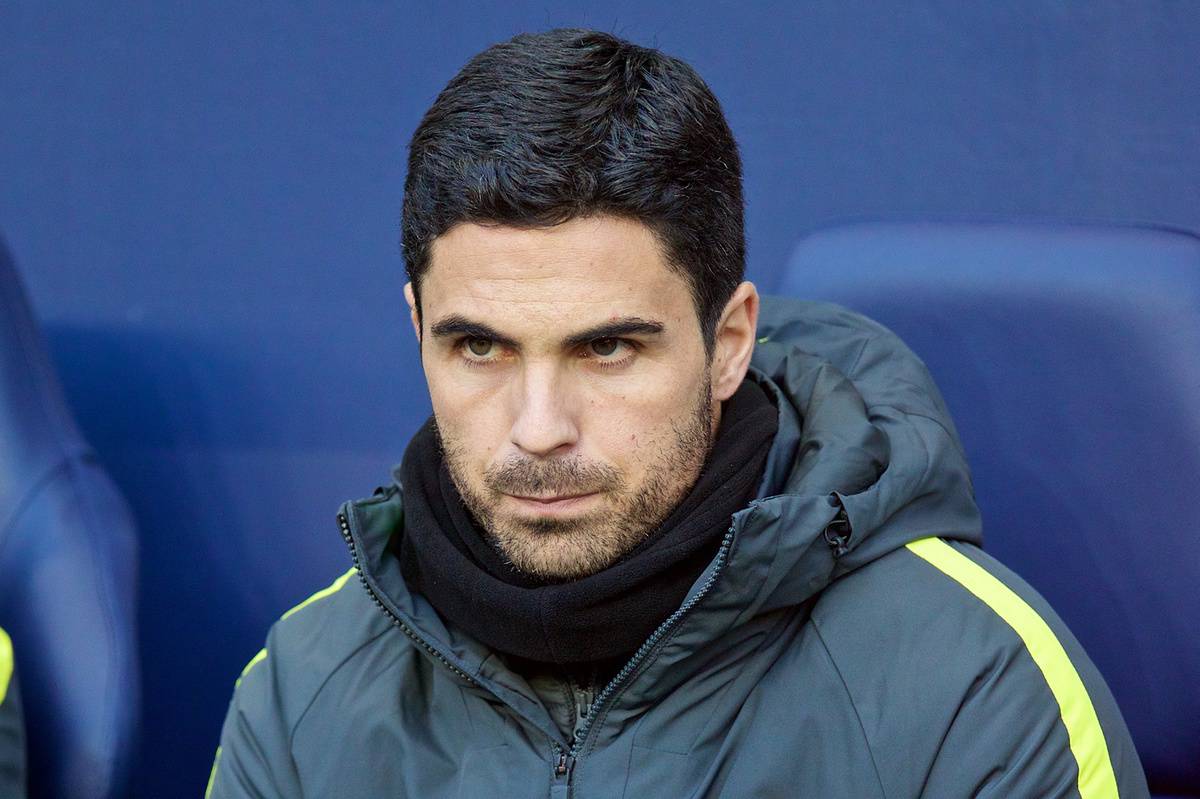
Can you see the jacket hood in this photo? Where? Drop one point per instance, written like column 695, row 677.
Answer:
column 863, row 426
column 866, row 459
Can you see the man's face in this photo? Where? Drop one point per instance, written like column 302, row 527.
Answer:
column 570, row 385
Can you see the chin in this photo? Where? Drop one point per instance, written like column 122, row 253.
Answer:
column 560, row 554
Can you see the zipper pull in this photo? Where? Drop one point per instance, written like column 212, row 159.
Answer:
column 585, row 701
column 560, row 788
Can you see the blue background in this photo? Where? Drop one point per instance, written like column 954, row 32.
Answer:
column 204, row 203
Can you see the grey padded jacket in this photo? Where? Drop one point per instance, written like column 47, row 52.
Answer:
column 849, row 639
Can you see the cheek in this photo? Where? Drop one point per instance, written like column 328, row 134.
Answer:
column 631, row 428
column 472, row 428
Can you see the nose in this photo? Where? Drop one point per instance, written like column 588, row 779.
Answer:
column 544, row 423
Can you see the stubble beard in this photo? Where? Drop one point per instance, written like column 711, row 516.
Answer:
column 559, row 549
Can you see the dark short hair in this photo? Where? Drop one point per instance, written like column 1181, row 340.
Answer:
column 547, row 127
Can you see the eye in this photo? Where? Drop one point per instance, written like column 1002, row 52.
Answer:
column 604, row 347
column 611, row 352
column 480, row 346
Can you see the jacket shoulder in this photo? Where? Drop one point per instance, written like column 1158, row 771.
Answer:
column 967, row 682
column 314, row 639
column 304, row 649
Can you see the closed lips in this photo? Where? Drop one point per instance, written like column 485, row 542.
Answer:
column 551, row 499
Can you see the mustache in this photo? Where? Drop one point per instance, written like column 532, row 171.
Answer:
column 528, row 477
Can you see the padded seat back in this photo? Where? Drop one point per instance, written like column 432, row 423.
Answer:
column 67, row 575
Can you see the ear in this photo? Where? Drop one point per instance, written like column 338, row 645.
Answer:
column 733, row 341
column 412, row 309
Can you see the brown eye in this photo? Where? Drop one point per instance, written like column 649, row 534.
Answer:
column 604, row 346
column 479, row 346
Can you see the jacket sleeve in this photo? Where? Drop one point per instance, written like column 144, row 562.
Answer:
column 254, row 758
column 1038, row 720
column 1009, row 740
column 12, row 728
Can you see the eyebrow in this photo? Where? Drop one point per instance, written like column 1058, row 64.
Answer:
column 627, row 326
column 459, row 325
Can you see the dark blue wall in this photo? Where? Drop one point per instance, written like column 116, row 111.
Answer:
column 203, row 201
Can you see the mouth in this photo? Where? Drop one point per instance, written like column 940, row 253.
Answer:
column 552, row 504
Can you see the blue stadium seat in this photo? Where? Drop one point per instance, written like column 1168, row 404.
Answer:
column 67, row 575
column 1069, row 356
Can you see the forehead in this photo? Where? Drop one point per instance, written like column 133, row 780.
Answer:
column 581, row 271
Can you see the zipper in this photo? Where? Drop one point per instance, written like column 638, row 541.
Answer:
column 565, row 765
column 344, row 524
column 566, row 758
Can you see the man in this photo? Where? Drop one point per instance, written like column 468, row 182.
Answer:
column 653, row 543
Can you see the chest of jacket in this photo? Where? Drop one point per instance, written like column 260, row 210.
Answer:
column 766, row 717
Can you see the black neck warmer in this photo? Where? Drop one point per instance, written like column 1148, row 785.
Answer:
column 445, row 556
